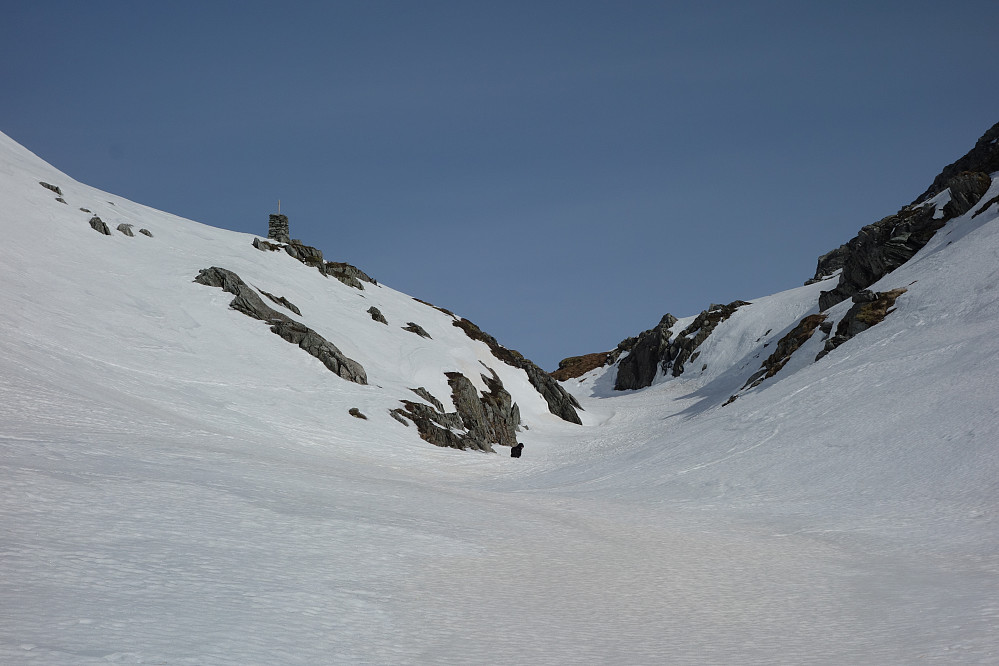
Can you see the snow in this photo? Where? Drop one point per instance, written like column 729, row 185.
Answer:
column 181, row 486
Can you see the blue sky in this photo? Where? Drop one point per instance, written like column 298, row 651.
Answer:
column 560, row 173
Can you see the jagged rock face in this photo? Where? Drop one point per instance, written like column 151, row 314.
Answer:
column 249, row 303
column 829, row 263
column 98, row 225
column 351, row 276
column 640, row 368
column 983, row 158
column 654, row 352
column 882, row 247
column 480, row 421
column 560, row 403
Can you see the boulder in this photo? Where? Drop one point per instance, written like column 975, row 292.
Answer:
column 98, row 225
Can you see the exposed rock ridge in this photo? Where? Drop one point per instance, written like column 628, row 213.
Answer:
column 352, row 276
column 577, row 366
column 560, row 403
column 480, row 420
column 880, row 248
column 655, row 352
column 249, row 303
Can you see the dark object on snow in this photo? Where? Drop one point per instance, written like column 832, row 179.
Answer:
column 98, row 225
column 515, row 451
column 51, row 187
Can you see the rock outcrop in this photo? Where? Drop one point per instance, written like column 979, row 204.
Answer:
column 869, row 309
column 655, row 352
column 377, row 315
column 416, row 328
column 882, row 247
column 560, row 403
column 480, row 419
column 98, row 225
column 249, row 303
column 577, row 366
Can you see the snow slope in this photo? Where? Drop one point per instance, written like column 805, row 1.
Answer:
column 181, row 486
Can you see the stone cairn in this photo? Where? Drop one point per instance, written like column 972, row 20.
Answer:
column 278, row 228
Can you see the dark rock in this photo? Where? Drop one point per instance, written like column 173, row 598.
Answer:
column 560, row 403
column 654, row 352
column 984, row 158
column 377, row 315
column 439, row 309
column 480, row 421
column 86, row 210
column 786, row 346
column 966, row 189
column 416, row 328
column 277, row 228
column 429, row 397
column 829, row 263
column 640, row 368
column 98, row 225
column 265, row 246
column 249, row 303
column 308, row 255
column 356, row 413
column 61, row 200
column 51, row 187
column 882, row 247
column 991, row 202
column 146, row 232
column 516, row 450
column 281, row 300
column 864, row 296
column 126, row 229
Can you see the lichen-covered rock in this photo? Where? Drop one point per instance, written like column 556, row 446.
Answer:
column 577, row 366
column 249, row 303
column 377, row 315
column 126, row 229
column 869, row 309
column 98, row 225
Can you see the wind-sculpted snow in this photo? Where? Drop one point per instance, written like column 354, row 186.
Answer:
column 179, row 487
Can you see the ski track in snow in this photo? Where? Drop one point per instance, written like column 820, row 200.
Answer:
column 180, row 486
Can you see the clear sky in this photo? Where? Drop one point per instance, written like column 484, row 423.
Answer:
column 560, row 173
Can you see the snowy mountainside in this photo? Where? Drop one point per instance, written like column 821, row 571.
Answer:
column 131, row 307
column 183, row 486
